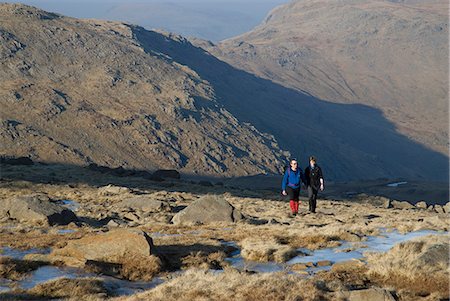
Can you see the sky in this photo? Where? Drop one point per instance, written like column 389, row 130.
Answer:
column 213, row 20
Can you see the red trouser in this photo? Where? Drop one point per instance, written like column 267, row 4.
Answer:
column 294, row 206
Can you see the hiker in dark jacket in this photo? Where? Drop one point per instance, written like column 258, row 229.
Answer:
column 293, row 177
column 314, row 182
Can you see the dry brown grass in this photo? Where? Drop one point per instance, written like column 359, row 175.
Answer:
column 70, row 288
column 16, row 269
column 347, row 275
column 233, row 285
column 140, row 268
column 268, row 249
column 202, row 260
column 420, row 266
column 37, row 239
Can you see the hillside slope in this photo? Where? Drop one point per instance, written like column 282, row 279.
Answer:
column 81, row 91
column 390, row 55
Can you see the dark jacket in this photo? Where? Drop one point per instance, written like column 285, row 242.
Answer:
column 292, row 178
column 313, row 176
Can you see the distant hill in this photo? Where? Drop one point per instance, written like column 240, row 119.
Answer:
column 80, row 91
column 390, row 55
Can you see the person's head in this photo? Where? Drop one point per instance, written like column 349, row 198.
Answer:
column 312, row 161
column 294, row 164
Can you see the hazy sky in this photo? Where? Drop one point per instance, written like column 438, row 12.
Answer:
column 213, row 20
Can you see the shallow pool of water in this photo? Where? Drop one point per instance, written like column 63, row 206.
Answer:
column 396, row 184
column 69, row 204
column 20, row 254
column 346, row 251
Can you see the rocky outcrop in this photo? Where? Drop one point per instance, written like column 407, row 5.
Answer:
column 145, row 203
column 208, row 209
column 371, row 294
column 402, row 205
column 110, row 190
column 36, row 209
column 113, row 246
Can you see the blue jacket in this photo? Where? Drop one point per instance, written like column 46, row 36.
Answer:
column 292, row 178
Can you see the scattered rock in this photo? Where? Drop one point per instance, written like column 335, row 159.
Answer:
column 299, row 267
column 207, row 209
column 112, row 246
column 446, row 207
column 402, row 205
column 111, row 190
column 132, row 217
column 324, row 263
column 347, row 265
column 17, row 161
column 36, row 209
column 422, row 205
column 167, row 173
column 371, row 294
column 145, row 203
column 112, row 223
column 377, row 201
column 439, row 209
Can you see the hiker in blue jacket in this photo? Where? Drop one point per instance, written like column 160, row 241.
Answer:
column 293, row 178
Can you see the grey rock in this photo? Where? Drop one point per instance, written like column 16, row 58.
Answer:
column 110, row 190
column 36, row 209
column 112, row 246
column 145, row 203
column 371, row 294
column 446, row 207
column 439, row 209
column 210, row 208
column 422, row 205
column 402, row 205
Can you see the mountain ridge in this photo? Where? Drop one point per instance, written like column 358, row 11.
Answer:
column 205, row 116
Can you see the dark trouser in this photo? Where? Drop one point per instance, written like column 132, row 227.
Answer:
column 312, row 195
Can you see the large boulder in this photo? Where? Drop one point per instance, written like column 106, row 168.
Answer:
column 36, row 209
column 371, row 294
column 113, row 246
column 402, row 205
column 207, row 209
column 145, row 203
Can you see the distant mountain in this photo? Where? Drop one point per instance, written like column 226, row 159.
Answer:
column 389, row 55
column 77, row 91
column 80, row 91
column 207, row 19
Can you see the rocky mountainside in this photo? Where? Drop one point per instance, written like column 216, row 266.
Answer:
column 80, row 91
column 390, row 55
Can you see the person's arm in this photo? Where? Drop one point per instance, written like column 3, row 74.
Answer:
column 302, row 177
column 321, row 179
column 283, row 183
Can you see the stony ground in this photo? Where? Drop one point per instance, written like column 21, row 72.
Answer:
column 190, row 256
